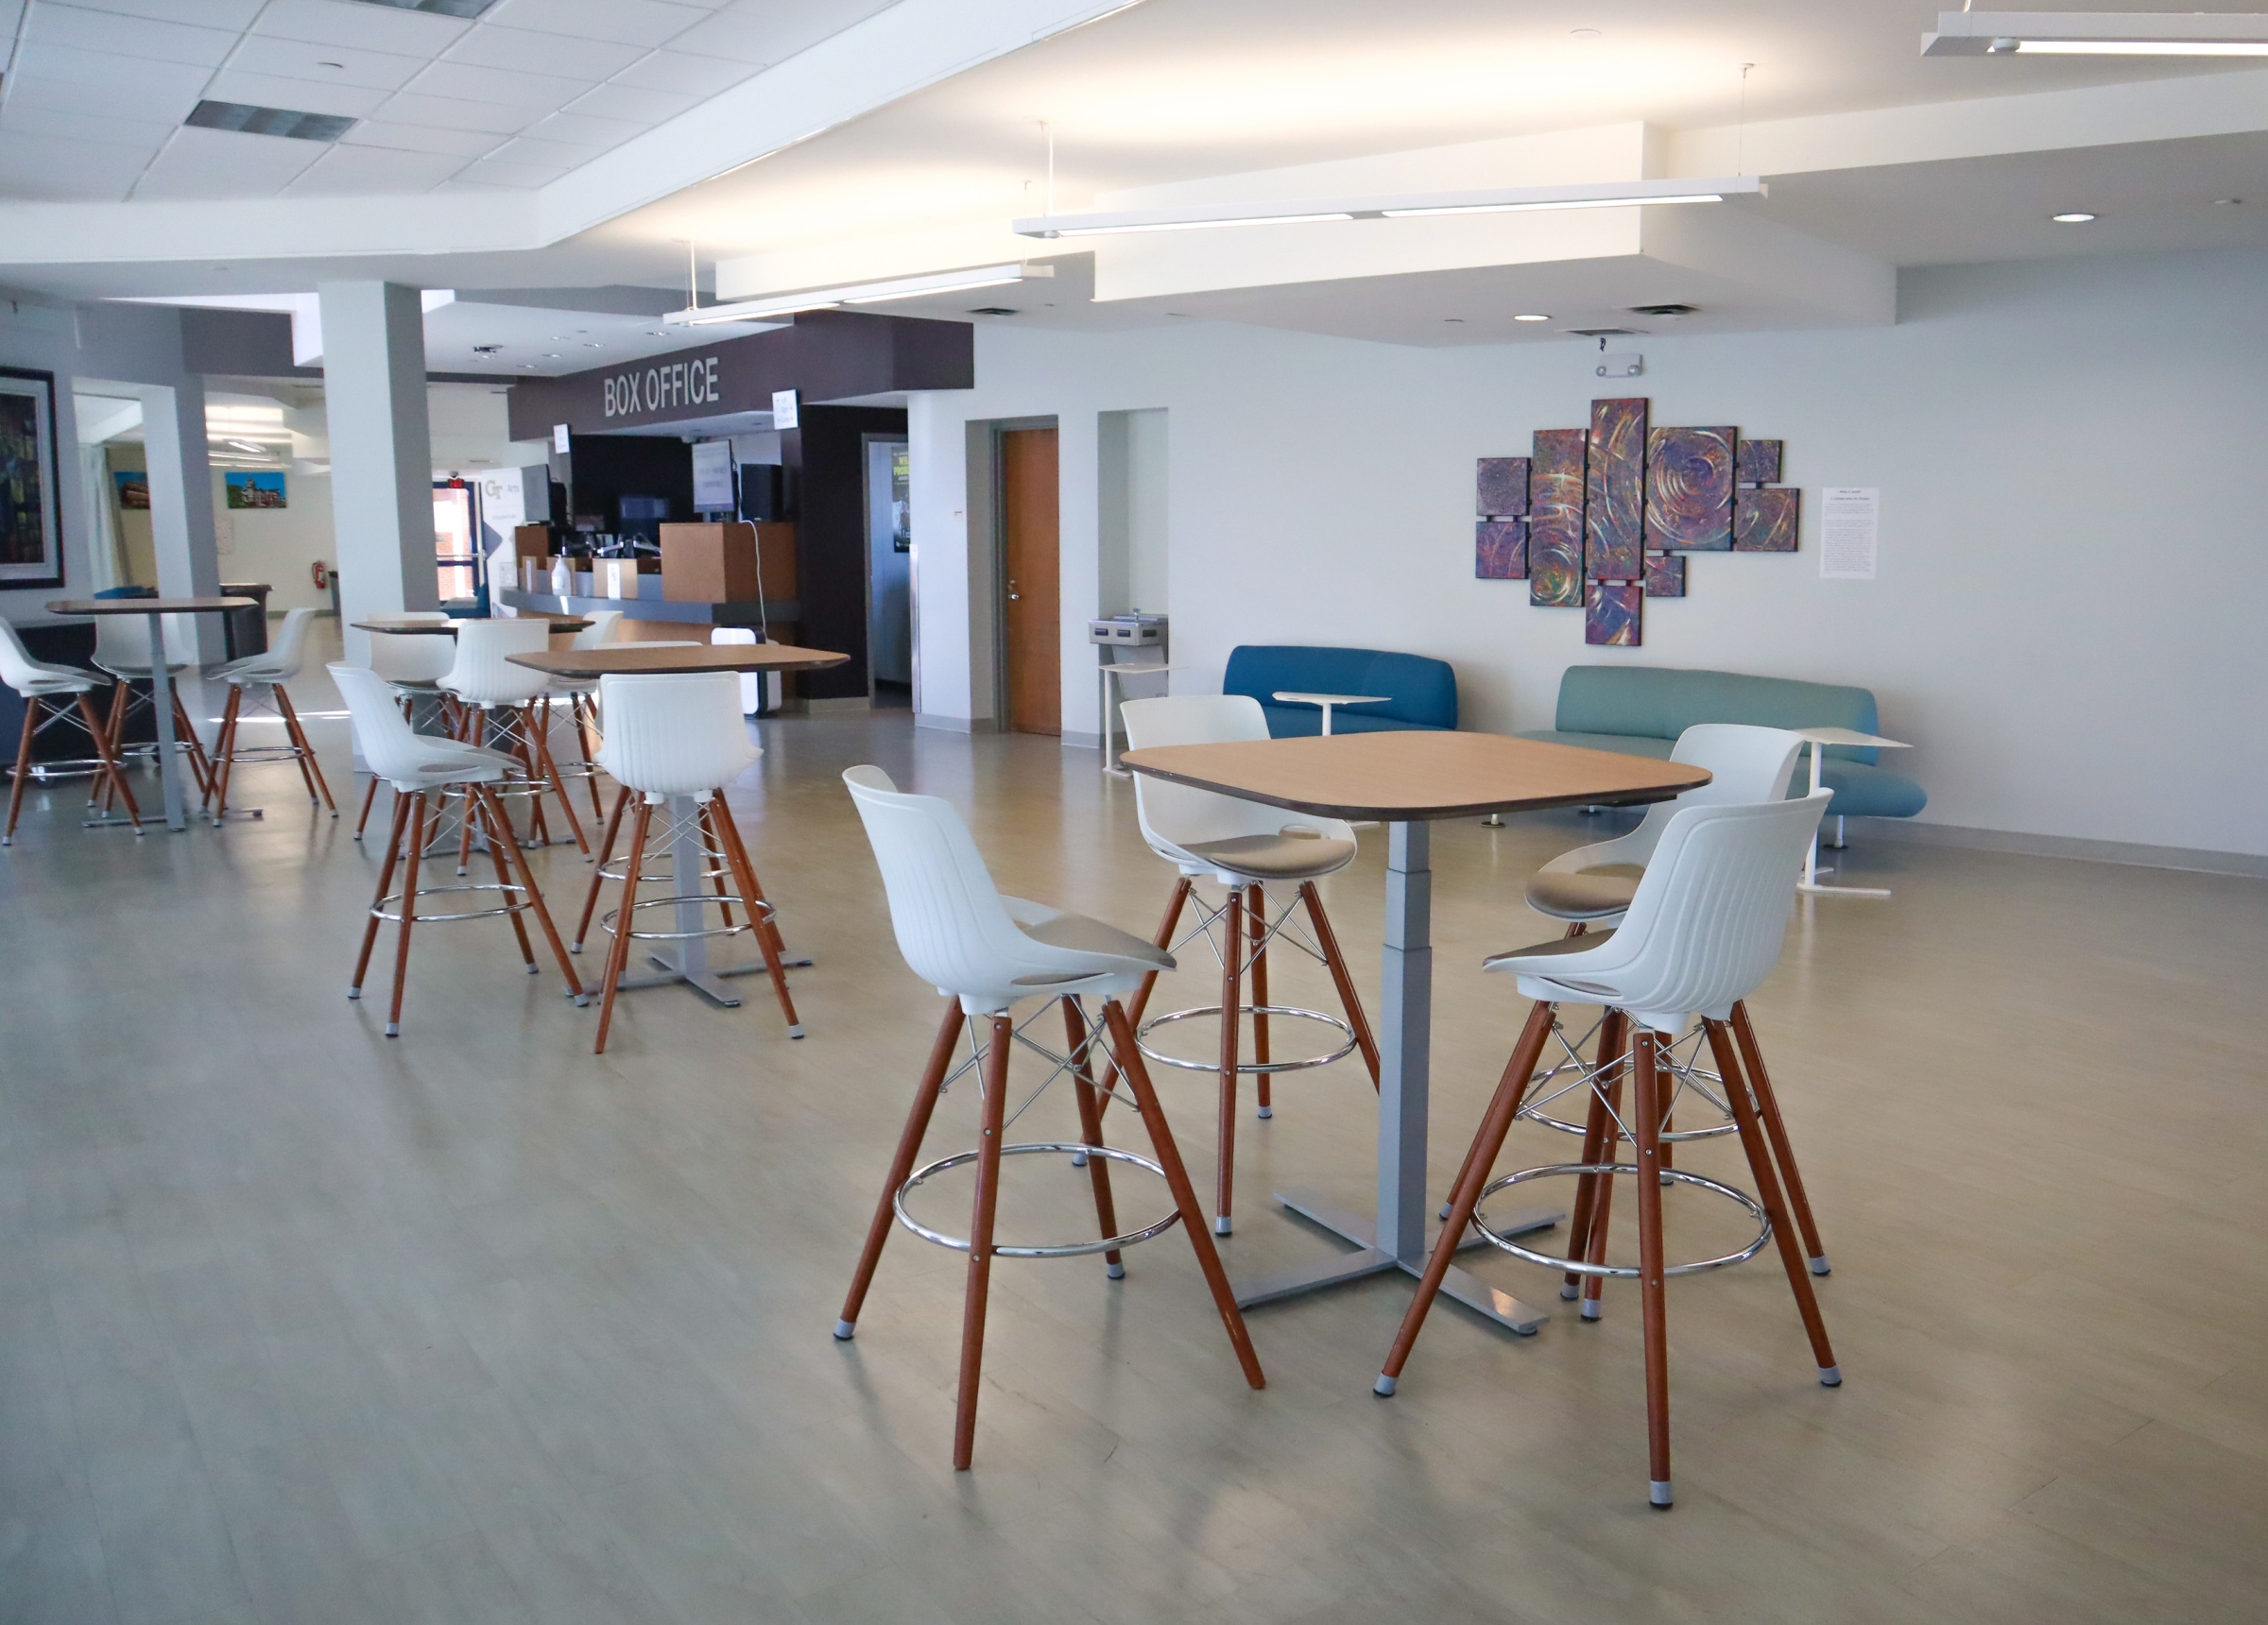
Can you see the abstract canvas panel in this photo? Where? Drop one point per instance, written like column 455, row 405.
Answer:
column 1665, row 576
column 1555, row 519
column 1688, row 490
column 1500, row 488
column 1612, row 612
column 1499, row 550
column 1757, row 462
column 1765, row 520
column 1614, row 508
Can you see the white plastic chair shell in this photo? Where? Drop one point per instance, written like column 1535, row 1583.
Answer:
column 282, row 659
column 483, row 673
column 955, row 929
column 1705, row 927
column 403, row 758
column 122, row 644
column 1176, row 817
column 677, row 733
column 418, row 659
column 1745, row 764
column 28, row 676
column 598, row 635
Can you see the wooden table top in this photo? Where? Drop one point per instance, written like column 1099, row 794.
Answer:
column 448, row 628
column 1417, row 774
column 662, row 658
column 146, row 606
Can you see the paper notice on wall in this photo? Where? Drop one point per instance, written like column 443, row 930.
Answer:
column 1850, row 524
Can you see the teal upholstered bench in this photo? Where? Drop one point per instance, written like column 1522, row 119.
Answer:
column 1640, row 711
column 1421, row 692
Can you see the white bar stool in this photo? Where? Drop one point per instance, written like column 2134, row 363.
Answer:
column 581, row 694
column 987, row 953
column 498, row 698
column 1702, row 930
column 413, row 666
column 41, row 684
column 122, row 649
column 269, row 671
column 1244, row 846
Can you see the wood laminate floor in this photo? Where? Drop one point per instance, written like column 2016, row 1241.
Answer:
column 304, row 1326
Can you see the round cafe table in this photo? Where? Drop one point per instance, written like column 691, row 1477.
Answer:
column 161, row 680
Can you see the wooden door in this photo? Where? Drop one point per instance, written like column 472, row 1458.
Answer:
column 1031, row 610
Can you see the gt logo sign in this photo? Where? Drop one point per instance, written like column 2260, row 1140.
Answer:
column 661, row 389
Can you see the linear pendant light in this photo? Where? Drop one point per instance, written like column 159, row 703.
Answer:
column 2098, row 34
column 1492, row 201
column 858, row 294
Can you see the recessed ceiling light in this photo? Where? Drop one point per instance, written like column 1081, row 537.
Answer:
column 551, row 355
column 2074, row 219
column 1532, row 316
column 2226, row 202
column 1583, row 33
column 592, row 344
column 340, row 65
column 1455, row 320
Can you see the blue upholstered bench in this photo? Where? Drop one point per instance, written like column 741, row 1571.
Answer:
column 1423, row 692
column 1640, row 711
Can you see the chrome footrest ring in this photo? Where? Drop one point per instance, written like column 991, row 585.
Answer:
column 607, row 921
column 1624, row 1272
column 517, row 906
column 1246, row 1069
column 1064, row 1250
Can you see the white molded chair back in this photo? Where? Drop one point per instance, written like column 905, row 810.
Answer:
column 954, row 928
column 280, row 662
column 601, row 629
column 1745, row 764
column 421, row 658
column 121, row 642
column 677, row 733
column 1176, row 816
column 20, row 672
column 1706, row 925
column 482, row 672
column 398, row 754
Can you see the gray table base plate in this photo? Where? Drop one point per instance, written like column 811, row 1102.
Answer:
column 704, row 979
column 1502, row 1307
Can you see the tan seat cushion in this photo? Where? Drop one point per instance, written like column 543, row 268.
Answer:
column 1595, row 894
column 1276, row 857
column 1558, row 945
column 1085, row 936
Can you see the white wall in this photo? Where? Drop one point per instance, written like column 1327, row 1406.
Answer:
column 2067, row 622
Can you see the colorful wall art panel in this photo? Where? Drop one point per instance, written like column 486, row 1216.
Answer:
column 1758, row 462
column 1614, row 494
column 1765, row 519
column 255, row 490
column 1611, row 612
column 1665, row 576
column 1499, row 550
column 1688, row 490
column 1500, row 488
column 1555, row 519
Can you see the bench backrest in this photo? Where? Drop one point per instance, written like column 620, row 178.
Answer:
column 1662, row 702
column 1424, row 690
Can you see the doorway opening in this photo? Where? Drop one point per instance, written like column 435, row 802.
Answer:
column 890, row 573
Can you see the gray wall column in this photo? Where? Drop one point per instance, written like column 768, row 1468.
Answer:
column 180, row 521
column 381, row 453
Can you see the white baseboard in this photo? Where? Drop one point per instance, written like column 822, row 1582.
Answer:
column 1082, row 740
column 944, row 724
column 2197, row 860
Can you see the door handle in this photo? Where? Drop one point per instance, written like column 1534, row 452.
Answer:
column 1014, row 596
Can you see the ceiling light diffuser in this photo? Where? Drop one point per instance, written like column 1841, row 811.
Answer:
column 2098, row 34
column 1532, row 316
column 857, row 294
column 1492, row 201
column 2076, row 217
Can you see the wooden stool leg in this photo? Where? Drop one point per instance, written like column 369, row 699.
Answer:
column 110, row 762
column 1601, row 1216
column 1611, row 1037
column 503, row 879
column 369, row 798
column 767, row 942
column 99, row 793
column 576, row 713
column 498, row 836
column 549, row 767
column 598, row 876
column 618, row 952
column 409, row 918
column 1767, row 1110
column 1327, row 939
column 713, row 842
column 980, row 1240
column 1090, row 1130
column 1136, row 1074
column 1258, row 919
column 1775, row 1204
column 200, row 766
column 1163, row 939
column 309, row 766
column 16, row 793
column 901, row 1166
column 1487, row 1141
column 1232, row 1022
column 224, row 752
column 386, row 878
column 1645, row 1126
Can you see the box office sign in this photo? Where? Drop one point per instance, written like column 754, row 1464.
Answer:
column 665, row 386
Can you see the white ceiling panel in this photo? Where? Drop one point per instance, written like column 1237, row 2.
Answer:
column 357, row 171
column 127, row 36
column 685, row 73
column 71, row 123
column 627, row 22
column 631, row 102
column 442, row 113
column 324, row 64
column 226, row 164
column 204, row 14
column 38, row 166
column 490, row 173
column 369, row 27
column 533, row 53
column 300, row 96
column 766, row 31
column 542, row 92
column 154, row 90
column 420, row 138
column 550, row 155
column 581, row 130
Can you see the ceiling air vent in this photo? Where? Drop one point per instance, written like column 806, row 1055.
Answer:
column 268, row 121
column 1671, row 311
column 446, row 8
column 991, row 310
column 1605, row 331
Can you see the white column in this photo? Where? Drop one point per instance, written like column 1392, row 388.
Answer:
column 180, row 520
column 381, row 453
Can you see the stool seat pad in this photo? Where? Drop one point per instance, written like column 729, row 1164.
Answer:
column 1274, row 857
column 128, row 668
column 46, row 680
column 1593, row 894
column 1083, row 934
column 1552, row 949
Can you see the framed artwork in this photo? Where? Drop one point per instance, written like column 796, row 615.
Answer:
column 1555, row 519
column 1758, row 462
column 255, row 489
column 133, row 485
column 1500, row 488
column 1665, row 574
column 1688, row 490
column 31, row 527
column 1611, row 612
column 1499, row 550
column 1613, row 513
column 1763, row 520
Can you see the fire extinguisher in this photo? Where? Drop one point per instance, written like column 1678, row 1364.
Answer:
column 321, row 572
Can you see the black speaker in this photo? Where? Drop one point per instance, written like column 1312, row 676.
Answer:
column 767, row 492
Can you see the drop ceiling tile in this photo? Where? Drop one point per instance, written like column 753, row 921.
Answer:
column 462, row 80
column 155, row 90
column 226, row 164
column 420, row 138
column 231, row 14
column 368, row 27
column 532, row 53
column 530, row 154
column 301, row 60
column 443, row 113
column 628, row 22
column 167, row 41
column 43, row 168
column 356, row 171
column 686, row 74
column 631, row 102
column 581, row 130
column 489, row 172
column 73, row 124
column 300, row 96
column 765, row 31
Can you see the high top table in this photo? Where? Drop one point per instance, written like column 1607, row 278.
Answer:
column 1819, row 739
column 1407, row 780
column 161, row 680
column 684, row 959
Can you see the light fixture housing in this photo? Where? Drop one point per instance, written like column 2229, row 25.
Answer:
column 857, row 294
column 1491, row 200
column 2076, row 217
column 1532, row 316
column 2098, row 34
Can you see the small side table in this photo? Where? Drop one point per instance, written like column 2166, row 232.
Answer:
column 1819, row 739
column 1113, row 669
column 1295, row 697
